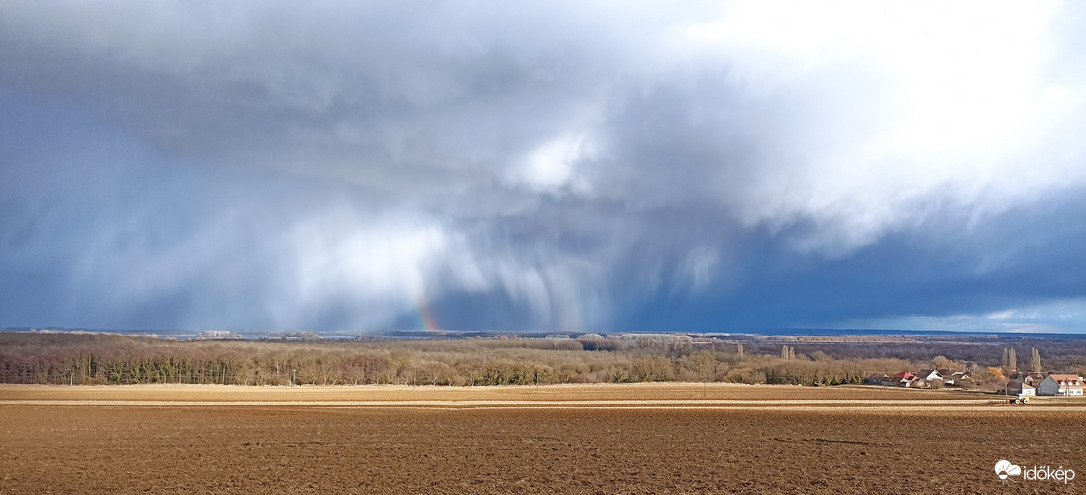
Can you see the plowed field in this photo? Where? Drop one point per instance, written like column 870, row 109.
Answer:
column 570, row 439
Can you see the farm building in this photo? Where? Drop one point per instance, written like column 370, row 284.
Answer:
column 956, row 377
column 1033, row 378
column 929, row 375
column 926, row 378
column 1061, row 384
column 903, row 379
column 876, row 379
column 1016, row 387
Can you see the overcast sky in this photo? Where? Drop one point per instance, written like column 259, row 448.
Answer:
column 567, row 166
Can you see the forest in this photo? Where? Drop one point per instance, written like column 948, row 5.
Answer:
column 88, row 359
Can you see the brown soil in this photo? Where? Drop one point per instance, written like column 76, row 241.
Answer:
column 281, row 442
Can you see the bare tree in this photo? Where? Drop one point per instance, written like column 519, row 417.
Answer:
column 1035, row 361
column 702, row 363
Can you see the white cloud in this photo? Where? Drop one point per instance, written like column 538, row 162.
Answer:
column 960, row 96
column 552, row 165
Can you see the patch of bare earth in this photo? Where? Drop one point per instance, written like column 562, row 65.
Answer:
column 260, row 448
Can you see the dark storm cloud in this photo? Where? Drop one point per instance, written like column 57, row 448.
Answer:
column 533, row 166
column 1021, row 258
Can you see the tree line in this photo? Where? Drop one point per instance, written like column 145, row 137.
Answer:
column 116, row 359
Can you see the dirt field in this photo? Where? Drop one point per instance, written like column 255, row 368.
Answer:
column 568, row 439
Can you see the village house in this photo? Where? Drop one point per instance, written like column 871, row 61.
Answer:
column 1030, row 384
column 903, row 379
column 876, row 379
column 1061, row 384
column 929, row 375
column 956, row 378
column 1033, row 378
column 926, row 378
column 1018, row 387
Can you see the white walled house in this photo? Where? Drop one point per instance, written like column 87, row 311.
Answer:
column 1061, row 384
column 930, row 375
column 1016, row 387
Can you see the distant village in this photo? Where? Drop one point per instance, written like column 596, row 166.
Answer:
column 1020, row 383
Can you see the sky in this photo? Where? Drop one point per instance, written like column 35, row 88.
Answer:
column 543, row 166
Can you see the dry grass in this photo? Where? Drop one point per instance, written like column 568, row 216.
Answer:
column 637, row 391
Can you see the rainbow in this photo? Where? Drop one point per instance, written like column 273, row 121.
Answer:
column 427, row 323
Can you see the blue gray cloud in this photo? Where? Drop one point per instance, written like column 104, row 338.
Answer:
column 609, row 166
